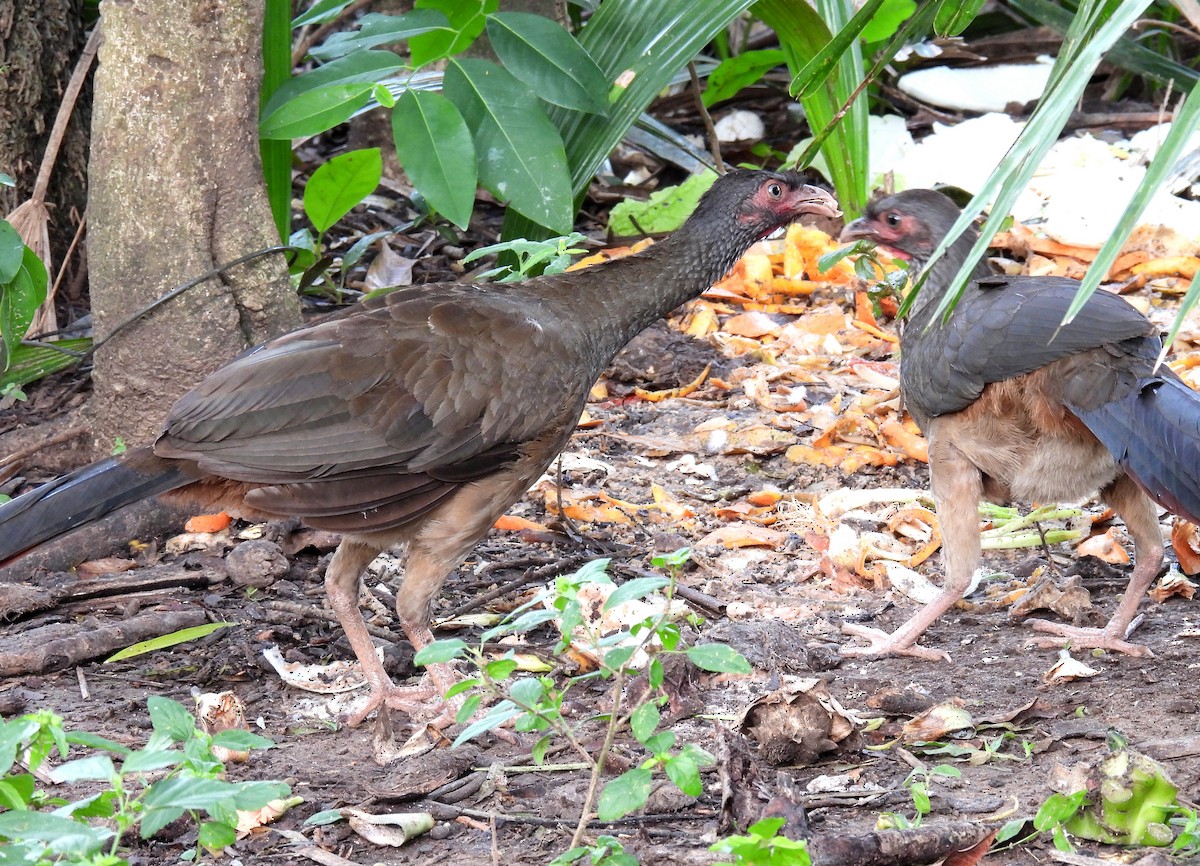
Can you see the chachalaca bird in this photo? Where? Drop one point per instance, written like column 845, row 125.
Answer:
column 417, row 417
column 1017, row 406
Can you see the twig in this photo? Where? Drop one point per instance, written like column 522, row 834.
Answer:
column 57, row 439
column 531, row 576
column 180, row 289
column 308, row 611
column 714, row 146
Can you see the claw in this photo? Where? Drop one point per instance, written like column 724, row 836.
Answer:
column 880, row 643
column 1094, row 638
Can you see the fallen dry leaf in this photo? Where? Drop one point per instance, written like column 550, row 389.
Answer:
column 106, row 565
column 1104, row 547
column 744, row 535
column 1185, row 540
column 1172, row 583
column 937, row 721
column 1066, row 669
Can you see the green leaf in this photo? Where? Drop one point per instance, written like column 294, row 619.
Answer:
column 661, row 743
column 440, row 652
column 683, row 770
column 468, row 708
column 953, row 16
column 638, row 587
column 214, row 835
column 239, row 740
column 466, row 19
column 12, row 251
column 527, row 692
column 664, row 211
column 171, row 718
column 168, row 640
column 150, row 759
column 887, row 19
column 496, row 716
column 434, row 145
column 377, row 29
column 64, row 836
column 95, row 741
column 521, row 157
column 16, row 792
column 527, row 621
column 327, row 816
column 719, row 658
column 461, row 686
column 538, row 752
column 643, row 721
column 340, row 184
column 741, row 70
column 320, row 99
column 255, row 795
column 541, row 53
column 187, row 792
column 616, row 659
column 94, row 768
column 320, row 12
column 624, row 794
column 19, row 299
column 644, row 45
column 1057, row 809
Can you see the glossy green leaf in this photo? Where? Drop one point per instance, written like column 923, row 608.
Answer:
column 148, row 760
column 953, row 16
column 94, row 768
column 20, row 298
column 465, row 19
column 541, row 53
column 340, row 184
column 215, row 835
column 719, row 658
column 434, row 145
column 320, row 12
column 643, row 45
column 240, row 740
column 167, row 640
column 376, row 30
column 12, row 251
column 638, row 587
column 67, row 838
column 734, row 73
column 684, row 771
column 440, row 652
column 521, row 156
column 496, row 716
column 326, row 96
column 887, row 20
column 624, row 794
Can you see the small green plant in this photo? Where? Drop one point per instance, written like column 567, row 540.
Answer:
column 37, row 827
column 762, row 846
column 867, row 267
column 606, row 852
column 534, row 703
column 334, row 189
column 918, row 783
column 551, row 256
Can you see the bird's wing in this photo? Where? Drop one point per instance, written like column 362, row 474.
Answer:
column 450, row 379
column 1004, row 327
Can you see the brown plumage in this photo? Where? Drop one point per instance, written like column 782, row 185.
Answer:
column 415, row 418
column 1019, row 407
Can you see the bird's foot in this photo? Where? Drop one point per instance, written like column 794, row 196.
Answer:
column 1108, row 638
column 424, row 701
column 880, row 643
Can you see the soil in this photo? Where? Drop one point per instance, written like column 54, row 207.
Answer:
column 776, row 604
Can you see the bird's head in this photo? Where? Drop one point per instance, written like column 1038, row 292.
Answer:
column 759, row 202
column 907, row 225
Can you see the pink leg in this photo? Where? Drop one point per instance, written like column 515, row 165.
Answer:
column 957, row 489
column 1141, row 519
column 341, row 585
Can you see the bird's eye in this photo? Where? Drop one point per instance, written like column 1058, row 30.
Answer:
column 775, row 190
column 892, row 219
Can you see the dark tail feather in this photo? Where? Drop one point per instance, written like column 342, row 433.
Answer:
column 85, row 495
column 1154, row 433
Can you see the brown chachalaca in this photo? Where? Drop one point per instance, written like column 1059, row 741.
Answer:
column 417, row 417
column 1017, row 406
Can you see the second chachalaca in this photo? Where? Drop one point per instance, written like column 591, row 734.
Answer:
column 1017, row 406
column 417, row 417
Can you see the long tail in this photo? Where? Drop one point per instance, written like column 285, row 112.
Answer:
column 1154, row 432
column 85, row 495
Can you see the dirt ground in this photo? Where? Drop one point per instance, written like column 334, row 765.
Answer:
column 780, row 603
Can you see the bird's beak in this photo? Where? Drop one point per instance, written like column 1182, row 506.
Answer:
column 811, row 199
column 857, row 230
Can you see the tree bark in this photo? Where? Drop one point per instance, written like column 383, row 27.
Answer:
column 39, row 43
column 176, row 189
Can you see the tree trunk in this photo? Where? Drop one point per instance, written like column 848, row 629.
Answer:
column 176, row 188
column 39, row 43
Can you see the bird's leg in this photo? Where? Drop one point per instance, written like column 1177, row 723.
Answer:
column 957, row 488
column 1141, row 519
column 341, row 586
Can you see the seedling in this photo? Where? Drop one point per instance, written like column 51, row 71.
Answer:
column 761, row 846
